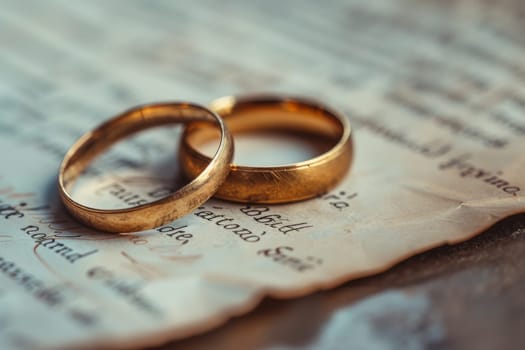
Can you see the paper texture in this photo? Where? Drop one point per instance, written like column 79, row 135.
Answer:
column 434, row 93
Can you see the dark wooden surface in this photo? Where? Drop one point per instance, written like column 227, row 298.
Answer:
column 466, row 296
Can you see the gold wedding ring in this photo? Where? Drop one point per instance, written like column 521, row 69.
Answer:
column 277, row 184
column 156, row 213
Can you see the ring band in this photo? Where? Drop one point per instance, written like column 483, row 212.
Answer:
column 278, row 184
column 159, row 212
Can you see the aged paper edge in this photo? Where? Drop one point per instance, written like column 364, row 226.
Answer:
column 166, row 336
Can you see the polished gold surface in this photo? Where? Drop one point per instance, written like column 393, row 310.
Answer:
column 278, row 184
column 153, row 214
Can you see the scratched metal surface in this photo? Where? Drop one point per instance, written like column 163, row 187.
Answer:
column 466, row 296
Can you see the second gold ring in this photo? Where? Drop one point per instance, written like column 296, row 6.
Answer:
column 276, row 184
